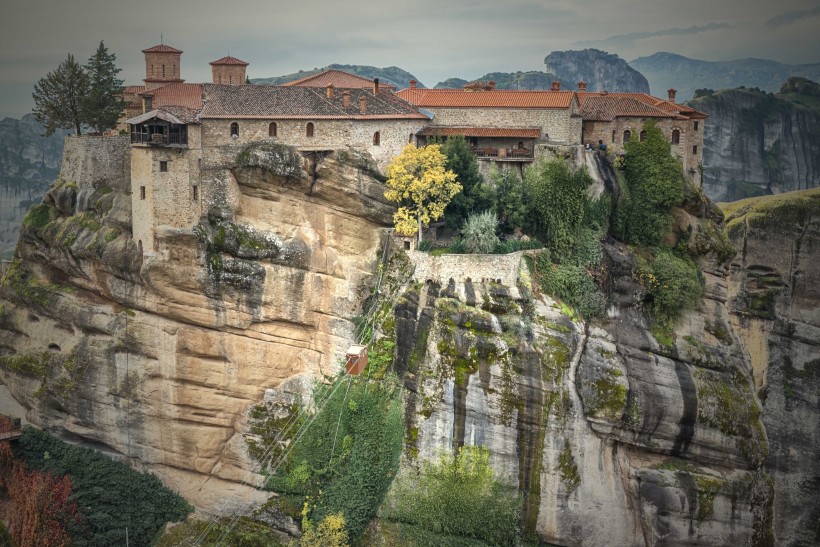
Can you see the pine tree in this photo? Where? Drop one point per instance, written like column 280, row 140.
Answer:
column 103, row 104
column 474, row 196
column 59, row 96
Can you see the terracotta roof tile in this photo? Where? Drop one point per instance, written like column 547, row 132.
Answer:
column 229, row 61
column 513, row 132
column 668, row 106
column 133, row 89
column 498, row 98
column 608, row 107
column 177, row 94
column 162, row 48
column 339, row 78
column 257, row 101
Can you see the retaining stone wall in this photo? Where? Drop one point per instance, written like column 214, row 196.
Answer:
column 88, row 160
column 460, row 268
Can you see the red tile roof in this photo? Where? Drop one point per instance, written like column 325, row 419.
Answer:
column 134, row 89
column 513, row 132
column 498, row 98
column 645, row 98
column 339, row 78
column 162, row 48
column 608, row 107
column 301, row 102
column 228, row 61
column 176, row 94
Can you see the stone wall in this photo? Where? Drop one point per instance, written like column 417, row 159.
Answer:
column 87, row 160
column 556, row 124
column 612, row 133
column 440, row 269
column 328, row 134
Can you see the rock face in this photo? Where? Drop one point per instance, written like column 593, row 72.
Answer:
column 599, row 69
column 757, row 143
column 28, row 164
column 665, row 70
column 157, row 360
column 774, row 297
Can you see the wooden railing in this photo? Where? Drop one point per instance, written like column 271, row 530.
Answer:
column 10, row 428
column 502, row 153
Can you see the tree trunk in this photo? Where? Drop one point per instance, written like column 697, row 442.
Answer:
column 77, row 128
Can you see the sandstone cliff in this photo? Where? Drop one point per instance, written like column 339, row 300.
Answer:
column 157, row 359
column 757, row 143
column 612, row 435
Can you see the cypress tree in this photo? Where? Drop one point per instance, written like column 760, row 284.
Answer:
column 102, row 106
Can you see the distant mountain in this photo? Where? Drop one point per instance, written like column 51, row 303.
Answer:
column 665, row 70
column 390, row 75
column 599, row 69
column 507, row 80
column 758, row 143
column 29, row 162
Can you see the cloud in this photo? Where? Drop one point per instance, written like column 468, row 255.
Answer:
column 791, row 17
column 626, row 40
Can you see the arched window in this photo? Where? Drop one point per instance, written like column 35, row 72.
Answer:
column 627, row 136
column 272, row 129
column 234, row 129
column 377, row 139
column 642, row 136
column 675, row 136
column 410, row 140
column 309, row 129
column 613, row 135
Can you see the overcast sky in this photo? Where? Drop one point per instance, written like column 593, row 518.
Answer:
column 433, row 39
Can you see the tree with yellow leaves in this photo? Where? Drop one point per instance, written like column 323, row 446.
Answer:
column 420, row 183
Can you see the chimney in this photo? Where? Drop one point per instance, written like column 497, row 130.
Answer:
column 672, row 93
column 412, row 84
column 375, row 86
column 556, row 86
column 346, row 99
column 362, row 104
column 491, row 84
column 147, row 103
column 582, row 86
column 329, row 91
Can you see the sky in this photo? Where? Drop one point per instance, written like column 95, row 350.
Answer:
column 433, row 39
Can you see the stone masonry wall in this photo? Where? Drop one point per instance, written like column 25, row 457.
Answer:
column 689, row 138
column 328, row 134
column 440, row 269
column 88, row 160
column 556, row 124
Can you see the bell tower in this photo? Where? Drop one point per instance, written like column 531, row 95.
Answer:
column 162, row 66
column 228, row 70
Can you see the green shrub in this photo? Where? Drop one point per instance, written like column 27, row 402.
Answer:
column 111, row 495
column 509, row 198
column 653, row 182
column 458, row 496
column 38, row 216
column 478, row 233
column 474, row 195
column 348, row 455
column 575, row 286
column 675, row 284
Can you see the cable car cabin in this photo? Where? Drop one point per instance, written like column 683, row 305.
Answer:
column 158, row 128
column 356, row 360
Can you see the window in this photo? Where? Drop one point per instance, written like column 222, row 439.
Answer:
column 642, row 136
column 473, row 141
column 520, row 145
column 410, row 140
column 163, row 167
column 377, row 139
column 195, row 193
column 163, row 71
column 627, row 136
column 675, row 136
column 695, row 150
column 272, row 129
column 142, row 192
column 309, row 129
column 152, row 71
column 613, row 135
column 696, row 126
column 234, row 129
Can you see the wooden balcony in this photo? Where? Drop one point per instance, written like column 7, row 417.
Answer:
column 504, row 154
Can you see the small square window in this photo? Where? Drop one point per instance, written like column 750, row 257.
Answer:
column 163, row 167
column 696, row 125
column 142, row 192
column 694, row 150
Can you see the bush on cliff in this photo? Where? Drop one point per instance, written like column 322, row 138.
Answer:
column 111, row 496
column 345, row 457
